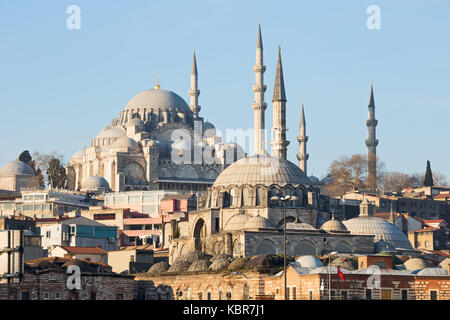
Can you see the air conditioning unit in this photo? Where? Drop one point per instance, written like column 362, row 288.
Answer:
column 111, row 239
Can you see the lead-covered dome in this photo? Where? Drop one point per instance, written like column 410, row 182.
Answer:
column 334, row 225
column 16, row 167
column 262, row 169
column 257, row 222
column 95, row 183
column 112, row 132
column 158, row 99
column 380, row 228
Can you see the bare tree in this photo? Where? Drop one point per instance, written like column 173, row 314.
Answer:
column 397, row 181
column 52, row 164
column 350, row 173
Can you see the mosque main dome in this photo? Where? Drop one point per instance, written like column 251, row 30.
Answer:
column 158, row 99
column 262, row 169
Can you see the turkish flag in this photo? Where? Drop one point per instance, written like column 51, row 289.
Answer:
column 341, row 274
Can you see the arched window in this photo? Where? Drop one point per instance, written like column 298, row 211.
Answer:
column 246, row 293
column 265, row 247
column 189, row 293
column 303, row 248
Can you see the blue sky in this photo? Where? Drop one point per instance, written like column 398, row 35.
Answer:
column 60, row 87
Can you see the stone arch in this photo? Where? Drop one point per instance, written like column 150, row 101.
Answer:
column 199, row 233
column 237, row 248
column 187, row 171
column 304, row 247
column 266, row 246
column 342, row 247
column 128, row 189
column 134, row 170
column 211, row 174
column 289, row 219
column 164, row 172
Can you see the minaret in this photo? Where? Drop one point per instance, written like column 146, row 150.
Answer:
column 259, row 106
column 371, row 144
column 194, row 92
column 279, row 142
column 302, row 156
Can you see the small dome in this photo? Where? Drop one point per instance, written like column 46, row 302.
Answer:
column 309, row 262
column 432, row 272
column 415, row 264
column 444, row 263
column 125, row 142
column 237, row 222
column 314, row 179
column 219, row 264
column 380, row 228
column 95, row 183
column 114, row 132
column 159, row 267
column 334, row 225
column 16, row 167
column 180, row 265
column 298, row 226
column 157, row 99
column 199, row 265
column 262, row 169
column 78, row 155
column 257, row 222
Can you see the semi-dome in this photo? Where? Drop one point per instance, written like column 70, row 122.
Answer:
column 158, row 99
column 236, row 222
column 135, row 122
column 95, row 183
column 415, row 264
column 380, row 228
column 257, row 222
column 383, row 246
column 334, row 225
column 262, row 169
column 309, row 261
column 125, row 142
column 16, row 167
column 112, row 132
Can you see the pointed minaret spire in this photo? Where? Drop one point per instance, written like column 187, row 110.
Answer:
column 302, row 156
column 279, row 142
column 279, row 93
column 194, row 92
column 372, row 143
column 259, row 106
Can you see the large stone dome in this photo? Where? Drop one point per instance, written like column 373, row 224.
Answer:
column 380, row 228
column 158, row 99
column 16, row 167
column 262, row 169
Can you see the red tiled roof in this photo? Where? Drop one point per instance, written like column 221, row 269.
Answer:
column 86, row 250
column 442, row 195
column 426, row 229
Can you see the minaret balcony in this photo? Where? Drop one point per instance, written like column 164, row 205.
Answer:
column 194, row 92
column 259, row 68
column 371, row 123
column 371, row 142
column 259, row 88
column 302, row 157
column 259, row 106
column 302, row 138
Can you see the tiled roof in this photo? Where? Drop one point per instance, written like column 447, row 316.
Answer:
column 86, row 250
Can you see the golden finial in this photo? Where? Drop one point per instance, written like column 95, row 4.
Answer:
column 157, row 82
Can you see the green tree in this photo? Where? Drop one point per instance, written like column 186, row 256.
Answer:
column 25, row 157
column 428, row 180
column 56, row 173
